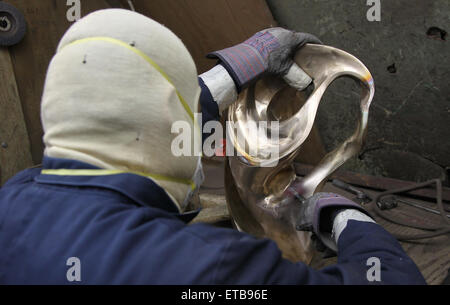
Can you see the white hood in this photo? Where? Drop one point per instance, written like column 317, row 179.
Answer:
column 106, row 103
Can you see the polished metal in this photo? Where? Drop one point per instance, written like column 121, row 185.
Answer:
column 261, row 185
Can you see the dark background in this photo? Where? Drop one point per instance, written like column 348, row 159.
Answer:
column 409, row 124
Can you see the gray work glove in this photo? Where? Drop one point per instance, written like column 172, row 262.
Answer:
column 270, row 50
column 318, row 212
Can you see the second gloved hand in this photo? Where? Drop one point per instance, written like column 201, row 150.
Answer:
column 327, row 214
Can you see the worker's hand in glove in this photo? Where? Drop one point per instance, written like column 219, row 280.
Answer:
column 270, row 50
column 326, row 215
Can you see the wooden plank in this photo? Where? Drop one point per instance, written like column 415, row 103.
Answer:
column 205, row 26
column 214, row 209
column 46, row 24
column 15, row 153
column 212, row 215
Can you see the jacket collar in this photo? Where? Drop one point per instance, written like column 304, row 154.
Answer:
column 141, row 190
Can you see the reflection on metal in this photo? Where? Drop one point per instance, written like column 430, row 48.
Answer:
column 261, row 199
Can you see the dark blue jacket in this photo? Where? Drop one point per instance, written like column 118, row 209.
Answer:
column 124, row 229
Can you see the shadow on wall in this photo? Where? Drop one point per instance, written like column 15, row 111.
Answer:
column 407, row 53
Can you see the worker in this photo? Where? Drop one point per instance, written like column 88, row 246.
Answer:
column 109, row 204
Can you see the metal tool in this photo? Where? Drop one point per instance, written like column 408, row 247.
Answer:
column 386, row 200
column 418, row 206
column 361, row 197
column 262, row 188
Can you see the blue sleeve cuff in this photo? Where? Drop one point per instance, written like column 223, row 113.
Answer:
column 210, row 109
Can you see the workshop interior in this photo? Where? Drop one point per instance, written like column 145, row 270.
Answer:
column 373, row 126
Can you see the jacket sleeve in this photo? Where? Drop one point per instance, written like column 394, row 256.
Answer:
column 361, row 245
column 209, row 108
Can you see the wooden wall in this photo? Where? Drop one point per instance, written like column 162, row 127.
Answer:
column 46, row 23
column 203, row 25
column 206, row 26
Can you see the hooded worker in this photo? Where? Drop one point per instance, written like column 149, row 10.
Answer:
column 111, row 97
column 111, row 194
